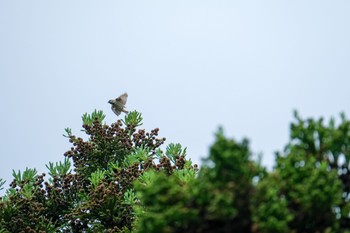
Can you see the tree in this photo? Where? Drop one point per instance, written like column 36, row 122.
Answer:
column 308, row 191
column 216, row 200
column 305, row 192
column 98, row 195
column 328, row 144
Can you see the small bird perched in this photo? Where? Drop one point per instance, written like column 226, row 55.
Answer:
column 118, row 104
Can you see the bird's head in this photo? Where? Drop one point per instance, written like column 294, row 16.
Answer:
column 111, row 101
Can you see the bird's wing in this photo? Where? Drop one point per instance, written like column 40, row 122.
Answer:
column 123, row 98
column 116, row 111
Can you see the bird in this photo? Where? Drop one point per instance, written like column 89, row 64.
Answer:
column 118, row 104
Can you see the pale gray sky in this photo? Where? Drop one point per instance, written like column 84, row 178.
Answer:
column 188, row 66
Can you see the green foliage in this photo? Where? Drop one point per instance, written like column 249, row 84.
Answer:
column 68, row 132
column 133, row 118
column 166, row 204
column 215, row 200
column 97, row 195
column 225, row 186
column 232, row 193
column 96, row 178
column 270, row 207
column 119, row 180
column 165, row 194
column 89, row 119
column 130, row 197
column 174, row 151
column 137, row 156
column 2, row 182
column 59, row 169
column 326, row 147
column 28, row 175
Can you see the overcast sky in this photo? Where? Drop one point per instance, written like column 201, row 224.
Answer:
column 188, row 67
